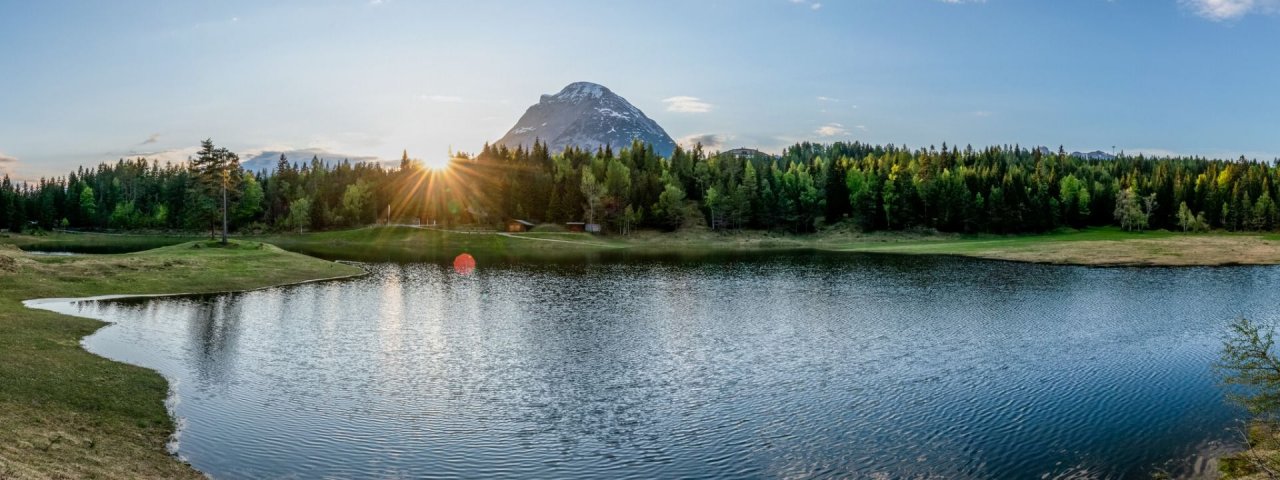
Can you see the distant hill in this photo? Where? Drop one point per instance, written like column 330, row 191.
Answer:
column 1094, row 155
column 267, row 160
column 588, row 116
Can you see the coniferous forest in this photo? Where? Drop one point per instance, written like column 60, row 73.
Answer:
column 1000, row 189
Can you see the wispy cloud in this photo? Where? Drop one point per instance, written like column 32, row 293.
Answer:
column 811, row 4
column 828, row 99
column 1222, row 10
column 711, row 141
column 442, row 98
column 982, row 113
column 171, row 155
column 7, row 164
column 832, row 130
column 155, row 137
column 685, row 104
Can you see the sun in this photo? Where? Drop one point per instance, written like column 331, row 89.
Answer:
column 437, row 163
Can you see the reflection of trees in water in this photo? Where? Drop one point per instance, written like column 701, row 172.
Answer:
column 214, row 331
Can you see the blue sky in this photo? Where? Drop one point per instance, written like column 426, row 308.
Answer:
column 89, row 82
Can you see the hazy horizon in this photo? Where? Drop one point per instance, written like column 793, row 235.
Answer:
column 96, row 82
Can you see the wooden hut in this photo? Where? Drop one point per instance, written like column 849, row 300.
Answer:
column 516, row 225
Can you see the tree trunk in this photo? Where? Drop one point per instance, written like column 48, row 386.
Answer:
column 224, row 213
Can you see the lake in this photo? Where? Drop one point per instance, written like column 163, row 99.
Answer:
column 768, row 365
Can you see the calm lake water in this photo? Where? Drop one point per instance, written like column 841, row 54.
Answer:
column 794, row 365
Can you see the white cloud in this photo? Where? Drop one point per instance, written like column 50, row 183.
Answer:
column 1221, row 10
column 173, row 155
column 811, row 4
column 686, row 104
column 982, row 113
column 709, row 141
column 833, row 129
column 441, row 98
column 828, row 99
column 7, row 164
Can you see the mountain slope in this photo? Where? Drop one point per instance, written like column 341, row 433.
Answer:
column 586, row 115
column 267, row 160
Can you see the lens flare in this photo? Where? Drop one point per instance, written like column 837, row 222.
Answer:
column 464, row 264
column 437, row 163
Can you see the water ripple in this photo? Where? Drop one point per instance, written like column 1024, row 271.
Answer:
column 794, row 366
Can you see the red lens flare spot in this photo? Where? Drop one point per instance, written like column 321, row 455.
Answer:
column 464, row 264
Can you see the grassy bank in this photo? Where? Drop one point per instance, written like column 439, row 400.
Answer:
column 66, row 413
column 95, row 242
column 1100, row 246
column 420, row 244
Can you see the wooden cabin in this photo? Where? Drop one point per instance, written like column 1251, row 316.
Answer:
column 516, row 225
column 575, row 226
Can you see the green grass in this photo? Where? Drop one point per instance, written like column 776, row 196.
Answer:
column 420, row 244
column 94, row 242
column 67, row 413
column 1095, row 246
column 1098, row 246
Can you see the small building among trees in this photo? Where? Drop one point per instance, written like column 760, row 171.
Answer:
column 516, row 225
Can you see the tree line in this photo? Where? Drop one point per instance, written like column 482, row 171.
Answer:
column 997, row 189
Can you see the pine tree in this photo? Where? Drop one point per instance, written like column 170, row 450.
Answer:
column 217, row 173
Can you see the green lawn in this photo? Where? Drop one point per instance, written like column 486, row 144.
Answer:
column 1095, row 246
column 419, row 244
column 94, row 242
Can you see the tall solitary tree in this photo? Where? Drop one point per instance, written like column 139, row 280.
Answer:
column 217, row 173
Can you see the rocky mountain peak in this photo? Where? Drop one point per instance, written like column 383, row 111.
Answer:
column 589, row 116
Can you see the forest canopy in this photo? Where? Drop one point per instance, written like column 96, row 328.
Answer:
column 997, row 189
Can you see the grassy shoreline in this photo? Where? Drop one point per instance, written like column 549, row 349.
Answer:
column 1093, row 247
column 68, row 413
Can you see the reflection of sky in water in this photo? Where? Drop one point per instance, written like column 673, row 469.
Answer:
column 803, row 365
